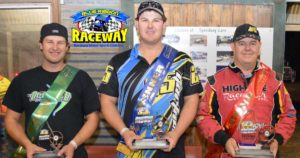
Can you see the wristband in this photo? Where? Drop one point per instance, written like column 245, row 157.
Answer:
column 123, row 131
column 74, row 144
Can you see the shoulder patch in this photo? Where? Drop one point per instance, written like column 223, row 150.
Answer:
column 211, row 80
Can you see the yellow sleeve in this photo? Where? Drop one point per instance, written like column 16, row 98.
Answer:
column 4, row 84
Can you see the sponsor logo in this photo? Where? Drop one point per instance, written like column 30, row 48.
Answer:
column 236, row 96
column 36, row 96
column 175, row 101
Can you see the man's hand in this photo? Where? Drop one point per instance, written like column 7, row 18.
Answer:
column 31, row 149
column 172, row 137
column 129, row 136
column 231, row 147
column 274, row 147
column 67, row 151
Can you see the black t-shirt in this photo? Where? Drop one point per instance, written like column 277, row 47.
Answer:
column 26, row 91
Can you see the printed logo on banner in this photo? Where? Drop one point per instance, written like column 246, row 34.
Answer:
column 99, row 28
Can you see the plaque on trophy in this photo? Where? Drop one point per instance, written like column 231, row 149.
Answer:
column 159, row 129
column 47, row 154
column 150, row 144
column 254, row 153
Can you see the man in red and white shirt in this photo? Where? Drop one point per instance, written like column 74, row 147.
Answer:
column 226, row 105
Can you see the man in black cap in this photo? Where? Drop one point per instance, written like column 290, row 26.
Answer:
column 156, row 89
column 60, row 102
column 246, row 104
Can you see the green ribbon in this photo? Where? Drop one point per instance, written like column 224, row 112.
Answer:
column 41, row 114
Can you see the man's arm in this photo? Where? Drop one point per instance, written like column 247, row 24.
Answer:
column 113, row 117
column 110, row 112
column 209, row 126
column 16, row 131
column 286, row 124
column 186, row 117
column 89, row 127
column 206, row 121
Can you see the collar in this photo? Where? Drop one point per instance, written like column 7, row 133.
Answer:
column 135, row 53
column 235, row 69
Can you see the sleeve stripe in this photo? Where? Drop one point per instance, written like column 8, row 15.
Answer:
column 280, row 101
column 210, row 100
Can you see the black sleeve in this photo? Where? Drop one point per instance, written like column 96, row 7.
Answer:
column 13, row 98
column 109, row 84
column 221, row 137
column 191, row 80
column 279, row 138
column 276, row 112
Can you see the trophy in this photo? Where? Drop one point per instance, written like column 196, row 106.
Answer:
column 251, row 132
column 262, row 149
column 56, row 142
column 147, row 123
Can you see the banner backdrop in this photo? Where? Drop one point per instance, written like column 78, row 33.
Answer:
column 209, row 46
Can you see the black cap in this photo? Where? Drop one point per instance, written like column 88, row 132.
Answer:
column 245, row 30
column 151, row 5
column 54, row 29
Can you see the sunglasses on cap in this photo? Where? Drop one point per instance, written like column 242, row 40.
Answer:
column 151, row 5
